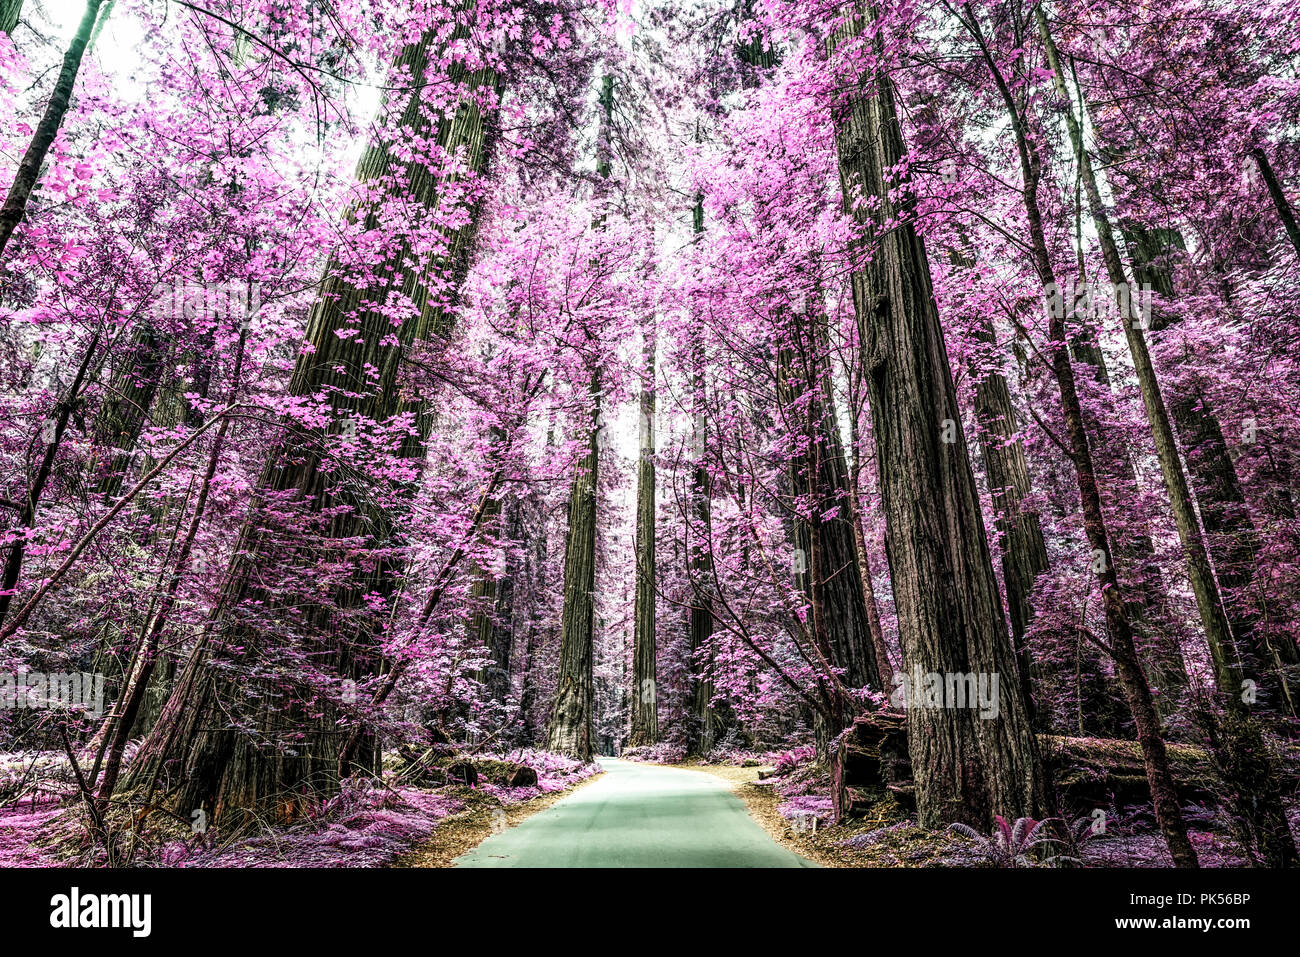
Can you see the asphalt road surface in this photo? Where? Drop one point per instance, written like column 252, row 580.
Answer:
column 638, row 815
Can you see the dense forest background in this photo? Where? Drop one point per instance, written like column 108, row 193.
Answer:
column 403, row 398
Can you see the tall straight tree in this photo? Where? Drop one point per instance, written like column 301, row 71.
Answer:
column 832, row 575
column 645, row 707
column 570, row 728
column 218, row 767
column 949, row 610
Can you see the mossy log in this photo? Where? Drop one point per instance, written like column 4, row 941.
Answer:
column 871, row 763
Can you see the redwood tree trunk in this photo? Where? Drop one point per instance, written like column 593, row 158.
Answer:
column 217, row 766
column 949, row 611
column 10, row 10
column 645, row 708
column 570, row 730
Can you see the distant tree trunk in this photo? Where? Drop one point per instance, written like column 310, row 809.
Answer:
column 15, row 205
column 1246, row 764
column 820, row 481
column 1280, row 203
column 570, row 729
column 219, row 767
column 706, row 725
column 10, row 10
column 573, row 711
column 1024, row 551
column 127, row 406
column 489, row 623
column 645, row 707
column 950, row 614
column 880, row 647
column 1231, row 538
column 52, row 433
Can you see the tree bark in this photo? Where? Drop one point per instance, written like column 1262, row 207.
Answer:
column 29, row 168
column 570, row 729
column 218, row 767
column 10, row 10
column 949, row 611
column 645, row 707
column 1280, row 203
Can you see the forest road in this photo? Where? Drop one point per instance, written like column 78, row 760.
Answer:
column 638, row 815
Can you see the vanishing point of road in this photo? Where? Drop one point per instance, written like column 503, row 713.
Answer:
column 638, row 815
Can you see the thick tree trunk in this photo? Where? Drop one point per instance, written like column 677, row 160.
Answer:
column 10, row 10
column 217, row 766
column 950, row 614
column 29, row 168
column 570, row 729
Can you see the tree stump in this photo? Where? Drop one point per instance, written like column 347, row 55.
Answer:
column 521, row 776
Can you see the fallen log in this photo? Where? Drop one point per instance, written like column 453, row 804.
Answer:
column 871, row 764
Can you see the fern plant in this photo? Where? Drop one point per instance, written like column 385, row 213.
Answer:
column 1009, row 845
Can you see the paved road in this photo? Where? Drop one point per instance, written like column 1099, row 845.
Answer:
column 637, row 815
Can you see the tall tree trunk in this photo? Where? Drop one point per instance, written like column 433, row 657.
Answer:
column 1231, row 538
column 29, row 168
column 1020, row 533
column 573, row 711
column 570, row 729
column 127, row 406
column 1246, row 763
column 1280, row 203
column 820, row 481
column 880, row 647
column 706, row 724
column 219, row 767
column 645, row 707
column 950, row 614
column 52, row 433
